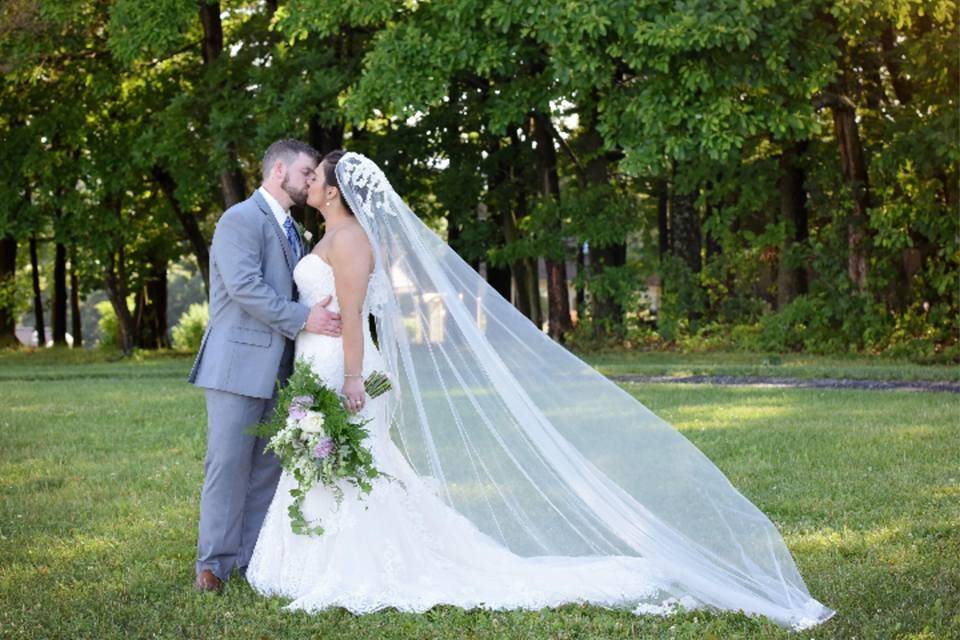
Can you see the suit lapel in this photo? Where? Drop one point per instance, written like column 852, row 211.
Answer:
column 277, row 229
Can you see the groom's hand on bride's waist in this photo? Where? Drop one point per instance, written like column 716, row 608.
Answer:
column 322, row 321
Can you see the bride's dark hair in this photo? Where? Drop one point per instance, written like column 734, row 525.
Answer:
column 329, row 166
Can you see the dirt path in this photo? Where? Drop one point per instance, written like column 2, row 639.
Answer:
column 816, row 383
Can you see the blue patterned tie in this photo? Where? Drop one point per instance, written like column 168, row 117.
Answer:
column 292, row 238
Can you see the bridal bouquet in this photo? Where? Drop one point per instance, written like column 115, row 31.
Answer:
column 318, row 441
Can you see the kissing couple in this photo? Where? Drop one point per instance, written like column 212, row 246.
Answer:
column 526, row 479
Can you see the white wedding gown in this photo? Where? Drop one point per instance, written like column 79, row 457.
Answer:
column 402, row 545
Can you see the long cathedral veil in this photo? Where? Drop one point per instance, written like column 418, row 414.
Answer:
column 540, row 451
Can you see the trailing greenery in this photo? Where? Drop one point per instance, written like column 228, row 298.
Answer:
column 318, row 441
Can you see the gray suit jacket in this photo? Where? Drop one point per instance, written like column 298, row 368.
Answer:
column 254, row 315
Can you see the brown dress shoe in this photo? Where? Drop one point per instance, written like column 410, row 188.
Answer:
column 208, row 581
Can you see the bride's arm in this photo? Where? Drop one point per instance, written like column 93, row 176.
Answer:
column 352, row 263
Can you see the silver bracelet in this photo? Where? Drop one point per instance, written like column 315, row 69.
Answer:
column 353, row 375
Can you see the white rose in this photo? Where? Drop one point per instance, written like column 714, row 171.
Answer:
column 312, row 423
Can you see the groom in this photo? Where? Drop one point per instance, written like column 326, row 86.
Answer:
column 247, row 348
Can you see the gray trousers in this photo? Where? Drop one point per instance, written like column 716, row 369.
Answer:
column 239, row 482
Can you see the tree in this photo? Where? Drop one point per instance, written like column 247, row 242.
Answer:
column 8, row 268
column 794, row 157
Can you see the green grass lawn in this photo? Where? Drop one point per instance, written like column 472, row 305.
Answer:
column 49, row 364
column 101, row 468
column 805, row 366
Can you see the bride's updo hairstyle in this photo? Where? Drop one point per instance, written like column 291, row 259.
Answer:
column 329, row 166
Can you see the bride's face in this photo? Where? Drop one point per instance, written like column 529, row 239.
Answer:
column 317, row 196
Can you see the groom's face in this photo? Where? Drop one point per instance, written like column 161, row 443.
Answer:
column 298, row 177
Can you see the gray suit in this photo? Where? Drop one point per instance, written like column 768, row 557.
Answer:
column 246, row 350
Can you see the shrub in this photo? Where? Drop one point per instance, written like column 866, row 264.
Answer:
column 108, row 325
column 188, row 333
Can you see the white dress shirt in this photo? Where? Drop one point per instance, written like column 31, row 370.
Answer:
column 279, row 212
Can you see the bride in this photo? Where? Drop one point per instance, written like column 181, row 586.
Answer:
column 520, row 477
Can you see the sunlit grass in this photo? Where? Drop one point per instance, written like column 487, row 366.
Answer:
column 100, row 480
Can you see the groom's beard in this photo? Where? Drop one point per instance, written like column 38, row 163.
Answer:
column 299, row 197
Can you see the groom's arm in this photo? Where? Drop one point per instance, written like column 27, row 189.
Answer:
column 237, row 257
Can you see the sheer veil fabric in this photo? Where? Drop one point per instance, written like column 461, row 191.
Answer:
column 536, row 448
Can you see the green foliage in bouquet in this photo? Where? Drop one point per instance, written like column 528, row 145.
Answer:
column 318, row 440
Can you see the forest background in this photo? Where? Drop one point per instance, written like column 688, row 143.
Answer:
column 763, row 175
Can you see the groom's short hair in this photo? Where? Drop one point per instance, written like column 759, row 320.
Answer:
column 287, row 151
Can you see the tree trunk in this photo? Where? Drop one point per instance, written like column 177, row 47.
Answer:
column 150, row 310
column 662, row 191
column 497, row 207
column 212, row 30
column 525, row 273
column 685, row 230
column 233, row 186
column 528, row 285
column 792, row 279
column 115, row 282
column 713, row 247
column 189, row 223
column 608, row 314
column 524, row 270
column 8, row 272
column 558, row 301
column 37, row 294
column 852, row 160
column 60, row 295
column 499, row 279
column 854, row 169
column 114, row 279
column 686, row 237
column 580, row 289
column 75, row 317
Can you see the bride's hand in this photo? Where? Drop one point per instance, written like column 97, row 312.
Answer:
column 354, row 395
